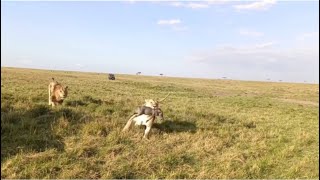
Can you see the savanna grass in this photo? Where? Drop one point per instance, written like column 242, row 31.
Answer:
column 212, row 128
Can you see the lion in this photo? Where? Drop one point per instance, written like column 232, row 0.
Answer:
column 154, row 103
column 147, row 119
column 145, row 115
column 150, row 103
column 57, row 93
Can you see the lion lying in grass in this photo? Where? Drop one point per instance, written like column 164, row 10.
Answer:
column 57, row 93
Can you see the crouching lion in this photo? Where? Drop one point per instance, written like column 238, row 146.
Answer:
column 57, row 93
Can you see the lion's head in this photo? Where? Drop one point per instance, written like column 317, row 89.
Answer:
column 60, row 92
column 150, row 103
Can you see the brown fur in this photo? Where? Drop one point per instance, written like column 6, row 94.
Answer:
column 57, row 93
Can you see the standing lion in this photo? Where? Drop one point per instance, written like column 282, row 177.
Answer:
column 57, row 93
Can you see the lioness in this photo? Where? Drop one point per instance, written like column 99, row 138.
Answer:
column 153, row 103
column 150, row 103
column 57, row 93
column 147, row 119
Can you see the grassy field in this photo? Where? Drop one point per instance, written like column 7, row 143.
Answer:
column 212, row 128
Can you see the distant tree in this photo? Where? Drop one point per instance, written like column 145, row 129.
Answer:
column 138, row 73
column 161, row 74
column 224, row 77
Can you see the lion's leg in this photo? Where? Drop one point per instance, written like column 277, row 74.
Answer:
column 50, row 98
column 129, row 123
column 146, row 132
column 53, row 103
column 148, row 128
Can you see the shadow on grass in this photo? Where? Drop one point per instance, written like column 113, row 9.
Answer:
column 84, row 101
column 32, row 130
column 170, row 126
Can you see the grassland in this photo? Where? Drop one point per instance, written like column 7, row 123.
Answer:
column 212, row 128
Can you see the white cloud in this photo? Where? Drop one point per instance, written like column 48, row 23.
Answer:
column 177, row 4
column 308, row 35
column 131, row 1
column 260, row 61
column 265, row 45
column 259, row 5
column 213, row 2
column 262, row 51
column 192, row 5
column 180, row 28
column 262, row 56
column 80, row 65
column 25, row 61
column 250, row 33
column 169, row 22
column 197, row 5
column 175, row 24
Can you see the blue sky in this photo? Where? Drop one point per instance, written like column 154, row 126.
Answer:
column 247, row 40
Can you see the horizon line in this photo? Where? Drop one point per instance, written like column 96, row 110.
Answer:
column 222, row 78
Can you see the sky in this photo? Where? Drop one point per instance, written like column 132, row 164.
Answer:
column 244, row 40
